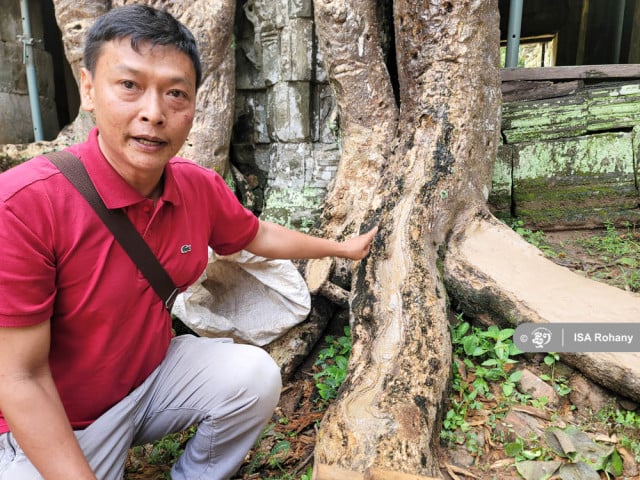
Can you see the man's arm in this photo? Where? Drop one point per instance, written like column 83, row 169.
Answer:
column 32, row 407
column 274, row 241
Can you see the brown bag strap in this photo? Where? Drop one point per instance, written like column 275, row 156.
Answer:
column 120, row 226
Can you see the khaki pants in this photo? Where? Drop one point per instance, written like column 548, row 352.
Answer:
column 229, row 390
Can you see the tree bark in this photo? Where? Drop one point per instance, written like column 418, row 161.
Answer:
column 437, row 240
column 436, row 175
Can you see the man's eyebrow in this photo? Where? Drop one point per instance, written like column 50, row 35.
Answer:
column 123, row 68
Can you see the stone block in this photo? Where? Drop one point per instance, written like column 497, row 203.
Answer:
column 250, row 117
column 613, row 106
column 44, row 72
column 326, row 159
column 271, row 65
column 13, row 74
column 325, row 119
column 300, row 9
column 500, row 196
column 544, row 119
column 15, row 115
column 296, row 50
column 583, row 181
column 248, row 53
column 287, row 165
column 288, row 112
column 320, row 72
column 10, row 21
column 253, row 159
column 272, row 13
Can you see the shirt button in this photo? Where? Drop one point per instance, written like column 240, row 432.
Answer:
column 146, row 209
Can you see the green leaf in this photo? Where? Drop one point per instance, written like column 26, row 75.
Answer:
column 615, row 465
column 515, row 376
column 508, row 389
column 506, row 333
column 514, row 448
column 629, row 262
column 281, row 446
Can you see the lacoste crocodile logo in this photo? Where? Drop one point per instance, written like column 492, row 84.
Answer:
column 185, row 248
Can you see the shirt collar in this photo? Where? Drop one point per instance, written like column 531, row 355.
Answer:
column 112, row 188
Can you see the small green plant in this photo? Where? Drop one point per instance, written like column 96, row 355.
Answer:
column 167, row 450
column 559, row 383
column 536, row 238
column 271, row 449
column 332, row 362
column 626, row 425
column 522, row 450
column 486, row 356
column 308, row 474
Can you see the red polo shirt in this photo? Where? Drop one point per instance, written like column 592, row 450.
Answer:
column 109, row 329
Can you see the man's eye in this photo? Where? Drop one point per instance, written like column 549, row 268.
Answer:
column 177, row 94
column 128, row 84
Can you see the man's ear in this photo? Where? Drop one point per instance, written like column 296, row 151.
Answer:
column 86, row 90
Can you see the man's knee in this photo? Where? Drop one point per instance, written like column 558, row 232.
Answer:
column 264, row 379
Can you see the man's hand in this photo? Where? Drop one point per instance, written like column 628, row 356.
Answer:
column 275, row 241
column 357, row 248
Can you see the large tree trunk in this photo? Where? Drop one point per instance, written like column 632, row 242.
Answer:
column 436, row 176
column 437, row 238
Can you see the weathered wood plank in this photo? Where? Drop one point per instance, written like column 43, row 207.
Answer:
column 571, row 72
column 613, row 106
column 518, row 91
column 604, row 107
column 544, row 119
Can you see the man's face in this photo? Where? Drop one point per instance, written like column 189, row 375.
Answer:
column 144, row 103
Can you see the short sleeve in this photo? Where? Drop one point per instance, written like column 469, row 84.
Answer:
column 234, row 226
column 27, row 267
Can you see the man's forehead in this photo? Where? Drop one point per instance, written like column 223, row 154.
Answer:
column 123, row 54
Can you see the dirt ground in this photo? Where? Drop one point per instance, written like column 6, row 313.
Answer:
column 297, row 417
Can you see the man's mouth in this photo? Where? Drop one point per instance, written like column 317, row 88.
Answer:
column 149, row 141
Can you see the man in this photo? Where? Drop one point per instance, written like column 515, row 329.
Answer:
column 88, row 365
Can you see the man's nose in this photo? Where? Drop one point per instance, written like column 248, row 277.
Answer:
column 151, row 108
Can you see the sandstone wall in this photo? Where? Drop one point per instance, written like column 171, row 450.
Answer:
column 284, row 140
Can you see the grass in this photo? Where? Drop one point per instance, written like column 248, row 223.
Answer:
column 611, row 256
column 619, row 252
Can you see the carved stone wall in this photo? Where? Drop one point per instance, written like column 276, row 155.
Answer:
column 284, row 139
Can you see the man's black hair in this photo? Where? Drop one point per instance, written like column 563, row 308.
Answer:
column 141, row 24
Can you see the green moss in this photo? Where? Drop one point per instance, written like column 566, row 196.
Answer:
column 297, row 209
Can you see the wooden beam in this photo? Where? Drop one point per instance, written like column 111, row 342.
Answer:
column 522, row 90
column 571, row 72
